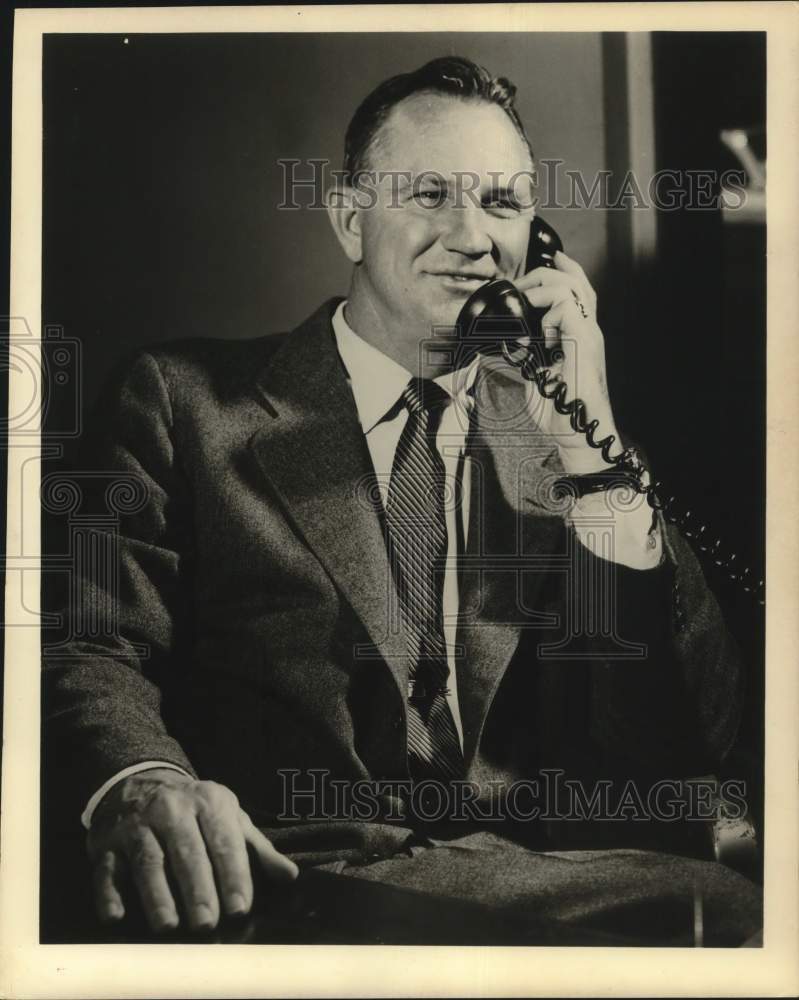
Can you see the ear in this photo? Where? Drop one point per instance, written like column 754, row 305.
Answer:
column 342, row 210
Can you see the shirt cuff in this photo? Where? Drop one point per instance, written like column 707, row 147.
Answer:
column 626, row 534
column 146, row 765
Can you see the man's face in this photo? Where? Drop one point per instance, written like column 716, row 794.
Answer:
column 454, row 213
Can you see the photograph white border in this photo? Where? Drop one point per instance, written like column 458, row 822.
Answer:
column 28, row 969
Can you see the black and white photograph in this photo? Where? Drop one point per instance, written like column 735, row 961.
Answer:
column 387, row 510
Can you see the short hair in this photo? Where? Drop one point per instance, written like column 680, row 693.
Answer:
column 453, row 76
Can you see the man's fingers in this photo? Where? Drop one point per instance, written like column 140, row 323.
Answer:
column 568, row 274
column 275, row 864
column 146, row 860
column 565, row 263
column 106, row 874
column 543, row 276
column 192, row 870
column 190, row 841
column 549, row 296
column 224, row 840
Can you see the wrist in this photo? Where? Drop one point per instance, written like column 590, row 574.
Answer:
column 582, row 460
column 138, row 786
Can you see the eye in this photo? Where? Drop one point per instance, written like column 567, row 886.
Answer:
column 505, row 208
column 430, row 197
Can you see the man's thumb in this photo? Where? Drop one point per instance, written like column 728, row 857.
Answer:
column 275, row 864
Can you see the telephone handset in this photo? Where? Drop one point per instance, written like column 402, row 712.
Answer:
column 492, row 320
column 498, row 311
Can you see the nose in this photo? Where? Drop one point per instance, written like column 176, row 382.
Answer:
column 467, row 231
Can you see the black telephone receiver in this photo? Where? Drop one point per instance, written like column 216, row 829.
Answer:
column 493, row 319
column 497, row 311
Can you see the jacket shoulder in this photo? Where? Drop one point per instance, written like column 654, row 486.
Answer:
column 191, row 371
column 223, row 367
column 213, row 360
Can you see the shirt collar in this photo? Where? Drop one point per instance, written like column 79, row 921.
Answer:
column 377, row 381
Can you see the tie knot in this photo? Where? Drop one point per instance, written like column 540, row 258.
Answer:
column 422, row 394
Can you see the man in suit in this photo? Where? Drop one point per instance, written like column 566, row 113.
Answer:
column 348, row 566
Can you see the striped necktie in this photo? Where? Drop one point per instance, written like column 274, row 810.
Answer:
column 417, row 548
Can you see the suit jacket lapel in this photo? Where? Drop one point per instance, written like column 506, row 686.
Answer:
column 514, row 528
column 314, row 454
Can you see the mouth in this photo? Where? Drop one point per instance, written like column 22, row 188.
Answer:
column 461, row 281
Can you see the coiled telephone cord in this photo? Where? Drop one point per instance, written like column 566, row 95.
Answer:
column 553, row 387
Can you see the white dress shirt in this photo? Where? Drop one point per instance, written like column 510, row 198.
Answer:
column 377, row 382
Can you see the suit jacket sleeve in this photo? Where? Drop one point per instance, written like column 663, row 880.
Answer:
column 102, row 688
column 675, row 710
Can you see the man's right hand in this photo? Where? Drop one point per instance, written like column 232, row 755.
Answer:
column 160, row 821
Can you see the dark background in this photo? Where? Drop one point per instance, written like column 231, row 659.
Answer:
column 161, row 187
column 162, row 181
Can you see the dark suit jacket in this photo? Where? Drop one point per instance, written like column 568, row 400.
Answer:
column 255, row 579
